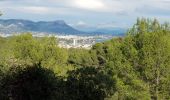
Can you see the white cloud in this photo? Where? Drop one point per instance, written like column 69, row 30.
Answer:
column 81, row 23
column 36, row 10
column 29, row 9
column 108, row 6
column 89, row 4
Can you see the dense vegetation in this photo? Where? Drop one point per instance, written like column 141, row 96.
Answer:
column 135, row 67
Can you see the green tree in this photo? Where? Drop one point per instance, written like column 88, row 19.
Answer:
column 128, row 83
column 151, row 40
column 29, row 83
column 89, row 83
column 82, row 57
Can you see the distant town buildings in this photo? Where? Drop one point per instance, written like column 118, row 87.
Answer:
column 71, row 41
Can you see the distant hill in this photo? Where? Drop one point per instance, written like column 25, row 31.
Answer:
column 9, row 26
column 18, row 25
column 114, row 31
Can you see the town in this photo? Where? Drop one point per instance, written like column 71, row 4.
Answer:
column 70, row 41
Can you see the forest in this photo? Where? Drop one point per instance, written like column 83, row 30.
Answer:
column 134, row 67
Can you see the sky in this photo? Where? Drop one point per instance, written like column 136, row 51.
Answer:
column 87, row 14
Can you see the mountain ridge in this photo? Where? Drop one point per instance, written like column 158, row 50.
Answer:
column 9, row 26
column 20, row 25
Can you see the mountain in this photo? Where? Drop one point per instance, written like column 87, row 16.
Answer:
column 113, row 31
column 18, row 26
column 10, row 26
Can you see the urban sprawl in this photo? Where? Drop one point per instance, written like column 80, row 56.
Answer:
column 71, row 41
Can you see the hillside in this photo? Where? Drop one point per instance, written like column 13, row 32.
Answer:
column 17, row 25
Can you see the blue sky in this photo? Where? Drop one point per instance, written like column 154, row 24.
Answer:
column 86, row 14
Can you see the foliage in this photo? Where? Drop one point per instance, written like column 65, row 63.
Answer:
column 30, row 83
column 89, row 83
column 82, row 57
column 134, row 67
column 142, row 56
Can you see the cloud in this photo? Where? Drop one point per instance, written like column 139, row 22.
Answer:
column 37, row 10
column 84, row 12
column 89, row 5
column 155, row 11
column 33, row 9
column 28, row 10
column 111, row 25
column 81, row 24
column 116, row 7
column 106, row 25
